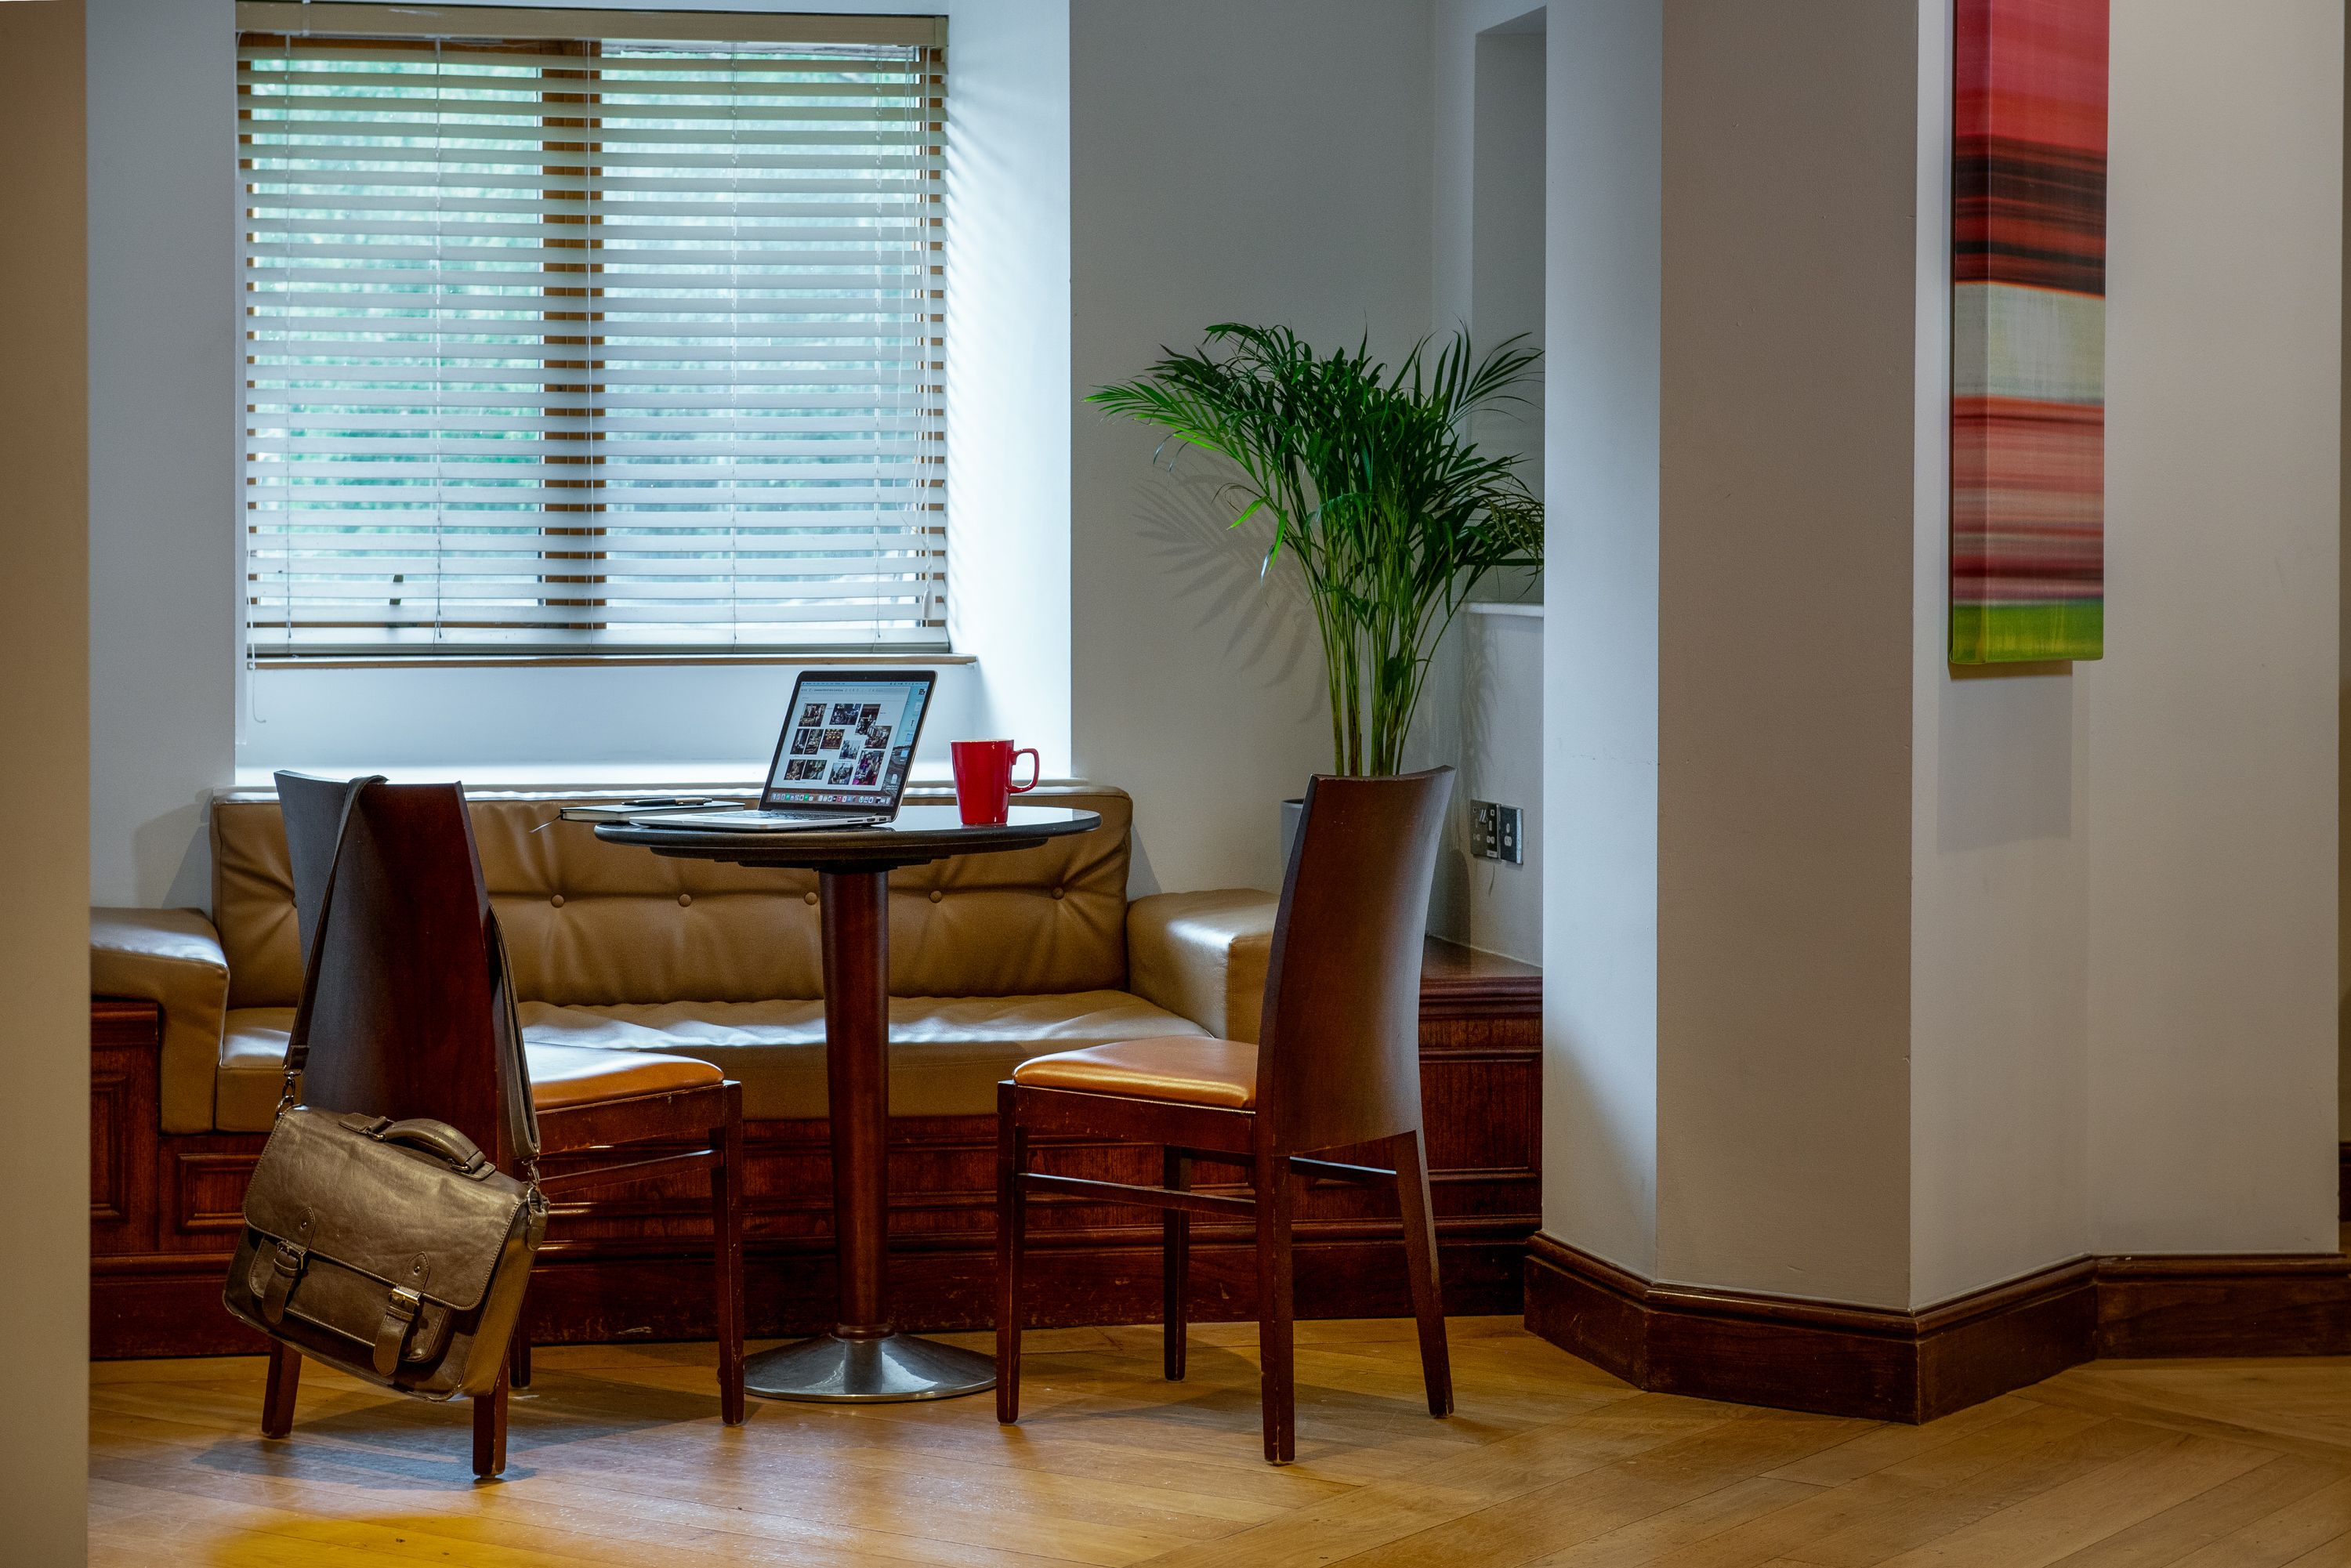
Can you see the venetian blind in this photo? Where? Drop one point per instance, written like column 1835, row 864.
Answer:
column 589, row 339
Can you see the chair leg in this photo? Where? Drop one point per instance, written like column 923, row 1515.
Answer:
column 277, row 1397
column 727, row 1250
column 490, row 1431
column 1278, row 1390
column 1176, row 1261
column 518, row 1350
column 1420, row 1259
column 1011, row 1221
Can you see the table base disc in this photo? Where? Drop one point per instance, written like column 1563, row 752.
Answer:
column 832, row 1371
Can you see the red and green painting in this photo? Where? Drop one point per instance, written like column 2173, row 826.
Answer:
column 2028, row 331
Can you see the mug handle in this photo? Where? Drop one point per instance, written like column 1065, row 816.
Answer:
column 1036, row 771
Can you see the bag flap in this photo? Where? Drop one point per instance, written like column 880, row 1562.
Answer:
column 405, row 1218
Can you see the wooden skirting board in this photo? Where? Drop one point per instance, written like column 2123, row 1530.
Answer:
column 1916, row 1366
column 2240, row 1305
column 164, row 1210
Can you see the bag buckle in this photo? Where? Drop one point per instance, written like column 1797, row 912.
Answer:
column 400, row 1313
column 285, row 1268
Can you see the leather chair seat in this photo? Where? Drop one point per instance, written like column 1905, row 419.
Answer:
column 1188, row 1070
column 564, row 1075
column 946, row 1053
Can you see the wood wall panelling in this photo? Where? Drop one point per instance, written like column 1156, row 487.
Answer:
column 125, row 1041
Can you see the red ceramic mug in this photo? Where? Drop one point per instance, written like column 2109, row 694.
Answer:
column 983, row 776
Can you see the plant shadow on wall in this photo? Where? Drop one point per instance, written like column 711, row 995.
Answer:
column 1370, row 484
column 1206, row 564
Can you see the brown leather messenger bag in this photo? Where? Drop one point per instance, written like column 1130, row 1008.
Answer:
column 394, row 1251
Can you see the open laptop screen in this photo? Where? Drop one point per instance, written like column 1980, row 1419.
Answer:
column 848, row 742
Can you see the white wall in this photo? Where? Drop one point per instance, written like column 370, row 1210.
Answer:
column 1483, row 709
column 2124, row 984
column 1506, row 248
column 1999, row 835
column 163, row 401
column 1229, row 160
column 1008, row 366
column 1784, row 620
column 2212, row 718
column 173, row 715
column 1453, row 63
column 713, row 722
column 2124, row 960
column 44, row 711
column 1487, row 270
column 1602, row 334
column 2096, row 1013
column 1501, row 761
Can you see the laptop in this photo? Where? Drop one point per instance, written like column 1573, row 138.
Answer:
column 842, row 760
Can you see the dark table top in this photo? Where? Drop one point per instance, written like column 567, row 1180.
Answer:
column 920, row 833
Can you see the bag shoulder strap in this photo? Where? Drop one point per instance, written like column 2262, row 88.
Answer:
column 298, row 1043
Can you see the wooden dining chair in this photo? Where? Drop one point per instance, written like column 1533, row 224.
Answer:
column 405, row 1022
column 1337, row 1064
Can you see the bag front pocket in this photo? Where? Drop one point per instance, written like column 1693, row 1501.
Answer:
column 350, row 1304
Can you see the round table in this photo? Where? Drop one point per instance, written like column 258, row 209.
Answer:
column 862, row 1360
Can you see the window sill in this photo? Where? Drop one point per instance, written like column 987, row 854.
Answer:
column 599, row 661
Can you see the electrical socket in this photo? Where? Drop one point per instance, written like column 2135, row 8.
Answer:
column 1497, row 832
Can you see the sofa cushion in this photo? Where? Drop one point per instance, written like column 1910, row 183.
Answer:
column 946, row 1053
column 589, row 923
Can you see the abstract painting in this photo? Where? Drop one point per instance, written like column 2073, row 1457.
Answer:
column 2028, row 331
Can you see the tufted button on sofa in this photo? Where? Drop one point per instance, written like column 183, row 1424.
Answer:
column 993, row 960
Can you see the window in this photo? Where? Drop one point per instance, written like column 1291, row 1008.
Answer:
column 586, row 339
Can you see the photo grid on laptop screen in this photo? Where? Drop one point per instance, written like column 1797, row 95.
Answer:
column 847, row 743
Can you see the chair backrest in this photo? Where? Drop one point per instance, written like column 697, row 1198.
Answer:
column 1339, row 1056
column 404, row 1020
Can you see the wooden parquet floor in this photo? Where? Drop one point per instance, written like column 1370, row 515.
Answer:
column 618, row 1459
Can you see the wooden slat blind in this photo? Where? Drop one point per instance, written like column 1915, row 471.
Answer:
column 592, row 344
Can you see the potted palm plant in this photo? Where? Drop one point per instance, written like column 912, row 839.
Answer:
column 1372, row 483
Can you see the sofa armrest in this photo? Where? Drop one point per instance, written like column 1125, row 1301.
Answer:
column 172, row 957
column 1204, row 954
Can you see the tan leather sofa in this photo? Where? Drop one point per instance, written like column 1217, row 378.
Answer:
column 993, row 960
